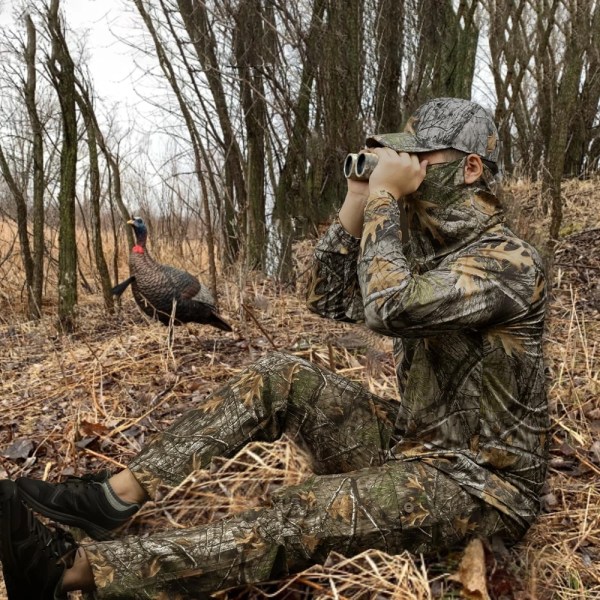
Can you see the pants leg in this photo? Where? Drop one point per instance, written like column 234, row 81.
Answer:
column 337, row 422
column 393, row 507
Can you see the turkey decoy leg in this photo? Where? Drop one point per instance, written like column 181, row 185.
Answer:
column 121, row 287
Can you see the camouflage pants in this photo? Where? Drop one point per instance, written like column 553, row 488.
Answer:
column 358, row 498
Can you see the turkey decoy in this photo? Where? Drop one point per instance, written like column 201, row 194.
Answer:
column 157, row 287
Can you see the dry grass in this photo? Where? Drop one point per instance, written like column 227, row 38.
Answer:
column 89, row 401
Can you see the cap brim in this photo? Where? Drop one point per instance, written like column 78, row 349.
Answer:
column 401, row 142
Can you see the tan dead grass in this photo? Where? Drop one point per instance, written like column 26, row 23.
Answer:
column 89, row 401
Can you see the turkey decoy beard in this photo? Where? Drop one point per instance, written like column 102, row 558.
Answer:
column 164, row 292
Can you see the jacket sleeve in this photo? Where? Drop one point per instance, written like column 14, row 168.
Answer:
column 490, row 282
column 333, row 289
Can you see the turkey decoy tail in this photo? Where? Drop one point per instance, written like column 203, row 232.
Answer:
column 216, row 321
column 121, row 287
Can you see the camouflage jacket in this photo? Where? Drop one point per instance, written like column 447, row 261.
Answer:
column 464, row 300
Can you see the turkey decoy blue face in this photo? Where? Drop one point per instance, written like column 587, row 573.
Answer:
column 141, row 234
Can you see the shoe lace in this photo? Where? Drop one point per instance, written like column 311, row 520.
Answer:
column 87, row 479
column 57, row 543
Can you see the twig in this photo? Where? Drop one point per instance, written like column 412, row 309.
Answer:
column 259, row 326
column 104, row 457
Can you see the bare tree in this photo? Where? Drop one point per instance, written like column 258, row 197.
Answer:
column 91, row 126
column 197, row 22
column 340, row 78
column 291, row 212
column 62, row 72
column 28, row 172
column 39, row 180
column 249, row 49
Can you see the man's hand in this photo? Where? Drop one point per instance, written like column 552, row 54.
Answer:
column 398, row 174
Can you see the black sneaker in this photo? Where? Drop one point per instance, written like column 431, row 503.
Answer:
column 34, row 558
column 86, row 502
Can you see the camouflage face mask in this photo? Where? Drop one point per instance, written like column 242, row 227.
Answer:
column 442, row 183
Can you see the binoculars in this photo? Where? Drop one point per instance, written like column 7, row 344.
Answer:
column 360, row 166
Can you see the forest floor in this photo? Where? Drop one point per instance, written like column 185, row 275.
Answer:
column 74, row 404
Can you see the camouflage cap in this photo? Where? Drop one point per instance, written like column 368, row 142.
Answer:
column 445, row 123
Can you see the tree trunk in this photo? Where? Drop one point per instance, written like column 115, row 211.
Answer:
column 390, row 53
column 62, row 71
column 200, row 155
column 248, row 42
column 566, row 100
column 21, row 210
column 96, row 224
column 508, row 62
column 340, row 85
column 585, row 114
column 37, row 132
column 291, row 194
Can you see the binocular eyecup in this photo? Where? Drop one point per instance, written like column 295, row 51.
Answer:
column 360, row 166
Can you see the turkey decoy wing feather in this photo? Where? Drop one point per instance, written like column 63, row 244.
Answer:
column 188, row 286
column 182, row 283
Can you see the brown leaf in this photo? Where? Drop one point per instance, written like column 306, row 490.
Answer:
column 89, row 429
column 152, row 568
column 249, row 387
column 471, row 572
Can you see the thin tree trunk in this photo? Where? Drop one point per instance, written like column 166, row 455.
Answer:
column 38, row 171
column 291, row 193
column 21, row 210
column 96, row 225
column 566, row 101
column 249, row 52
column 340, row 85
column 62, row 72
column 390, row 52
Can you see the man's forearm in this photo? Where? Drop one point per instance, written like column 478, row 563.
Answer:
column 351, row 215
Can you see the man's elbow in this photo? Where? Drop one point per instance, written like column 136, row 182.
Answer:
column 375, row 318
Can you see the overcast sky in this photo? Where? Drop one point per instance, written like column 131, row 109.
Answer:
column 102, row 25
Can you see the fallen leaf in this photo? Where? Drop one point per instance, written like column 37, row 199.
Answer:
column 89, row 429
column 19, row 449
column 471, row 572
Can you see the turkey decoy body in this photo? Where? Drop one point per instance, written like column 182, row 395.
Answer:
column 156, row 287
